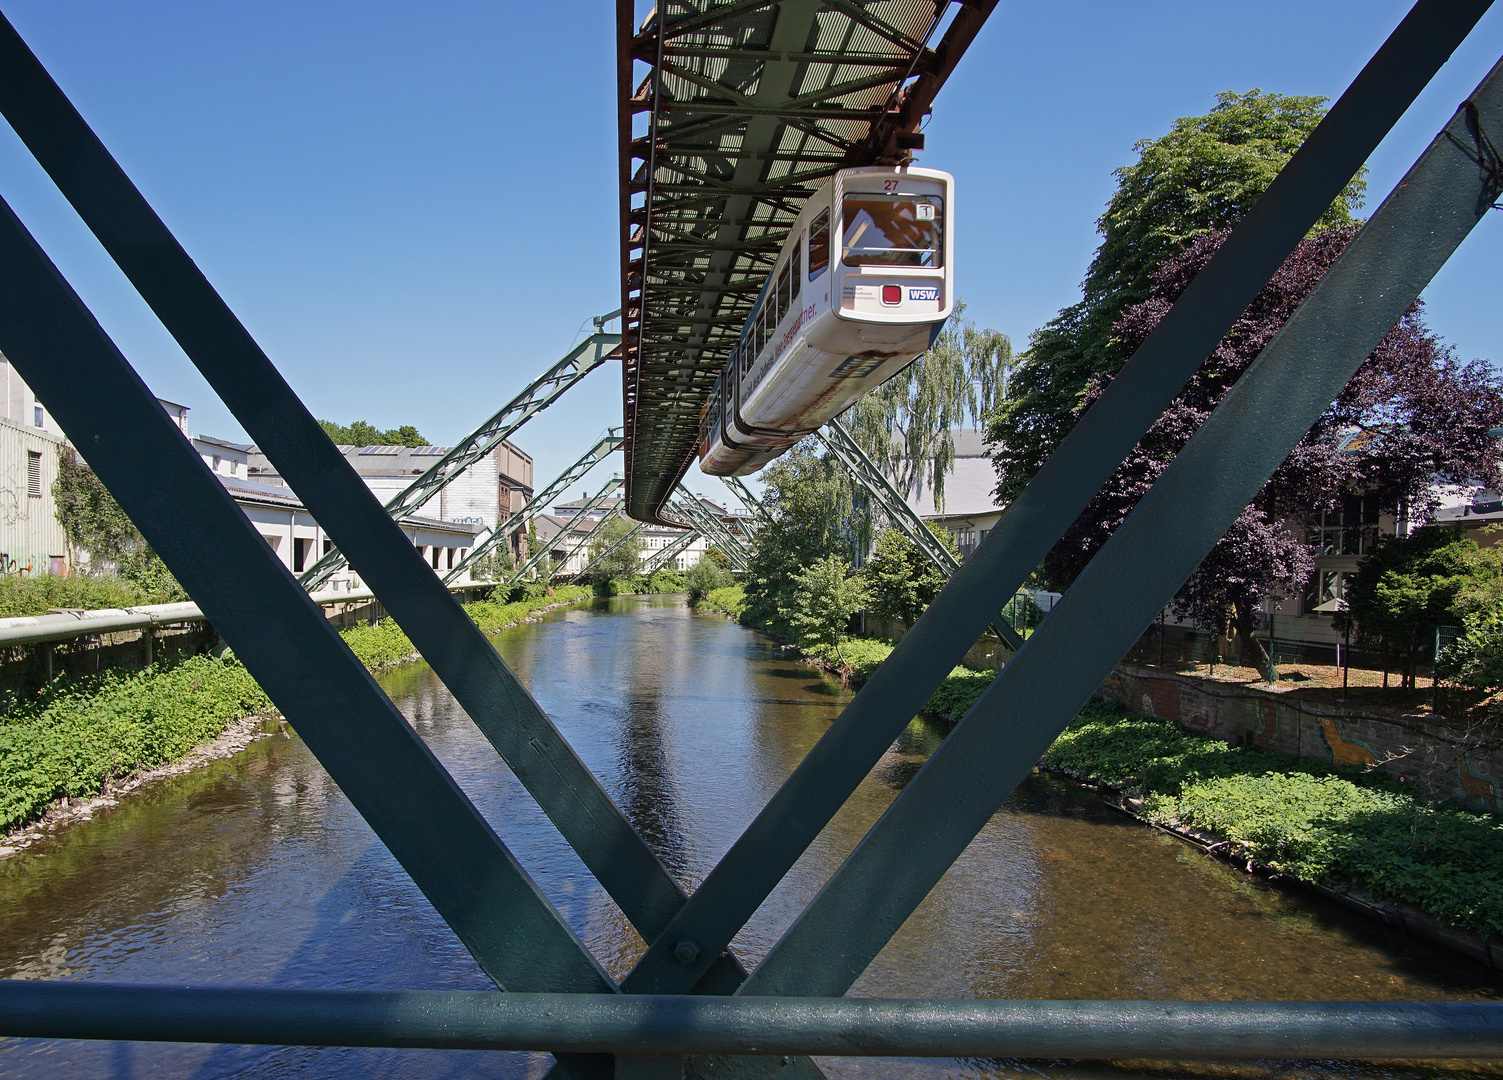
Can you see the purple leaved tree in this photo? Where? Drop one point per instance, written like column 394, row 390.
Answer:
column 1412, row 416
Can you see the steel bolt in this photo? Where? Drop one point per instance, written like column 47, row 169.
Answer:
column 686, row 951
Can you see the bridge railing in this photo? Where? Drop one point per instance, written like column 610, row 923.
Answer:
column 688, row 993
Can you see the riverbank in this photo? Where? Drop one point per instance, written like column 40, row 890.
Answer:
column 1356, row 836
column 80, row 744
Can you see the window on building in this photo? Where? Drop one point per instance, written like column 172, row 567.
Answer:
column 1325, row 592
column 216, row 462
column 1351, row 529
column 328, row 545
column 438, row 554
column 451, row 559
column 34, row 474
column 300, row 549
column 36, row 415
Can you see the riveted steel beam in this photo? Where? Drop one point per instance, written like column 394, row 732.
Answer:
column 1106, row 432
column 1260, row 421
column 297, row 656
column 835, row 1027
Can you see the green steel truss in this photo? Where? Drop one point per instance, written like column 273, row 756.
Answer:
column 745, row 107
column 707, row 522
column 558, row 996
column 540, row 556
column 663, row 556
column 609, row 443
column 748, row 500
column 534, row 398
column 879, row 489
column 632, row 536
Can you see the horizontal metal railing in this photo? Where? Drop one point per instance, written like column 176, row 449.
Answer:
column 645, row 1025
column 35, row 629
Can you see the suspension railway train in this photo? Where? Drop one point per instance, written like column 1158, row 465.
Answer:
column 835, row 322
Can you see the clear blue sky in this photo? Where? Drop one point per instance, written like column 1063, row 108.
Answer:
column 414, row 207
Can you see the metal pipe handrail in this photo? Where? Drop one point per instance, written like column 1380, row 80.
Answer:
column 36, row 629
column 644, row 1025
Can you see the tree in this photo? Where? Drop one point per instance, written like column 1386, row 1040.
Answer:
column 810, row 515
column 1201, row 177
column 625, row 561
column 900, row 579
column 1411, row 416
column 825, row 596
column 93, row 521
column 907, row 424
column 1406, row 589
column 704, row 577
column 361, row 433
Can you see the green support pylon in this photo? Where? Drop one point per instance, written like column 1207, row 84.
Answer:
column 537, row 396
column 608, row 444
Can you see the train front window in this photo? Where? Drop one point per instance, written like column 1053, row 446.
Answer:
column 819, row 244
column 893, row 230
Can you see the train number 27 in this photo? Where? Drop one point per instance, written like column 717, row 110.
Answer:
column 889, row 185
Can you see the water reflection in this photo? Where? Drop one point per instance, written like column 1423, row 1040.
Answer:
column 256, row 870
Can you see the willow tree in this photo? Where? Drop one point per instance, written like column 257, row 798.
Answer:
column 907, row 424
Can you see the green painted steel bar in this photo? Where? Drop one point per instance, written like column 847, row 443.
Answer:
column 748, row 500
column 351, row 726
column 595, row 530
column 1100, row 440
column 865, row 472
column 537, row 557
column 629, row 537
column 609, row 443
column 534, row 398
column 249, row 384
column 713, row 528
column 1263, row 417
column 647, row 1026
column 664, row 555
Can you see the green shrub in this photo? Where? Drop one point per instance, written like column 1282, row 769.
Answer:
column 77, row 736
column 731, row 600
column 864, row 654
column 704, row 577
column 953, row 698
column 35, row 595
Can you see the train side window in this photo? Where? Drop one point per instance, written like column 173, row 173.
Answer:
column 761, row 328
column 784, row 296
column 797, row 276
column 819, row 244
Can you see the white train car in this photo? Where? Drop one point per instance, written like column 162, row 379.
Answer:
column 835, row 321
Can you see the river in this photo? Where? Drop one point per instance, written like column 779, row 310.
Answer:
column 255, row 870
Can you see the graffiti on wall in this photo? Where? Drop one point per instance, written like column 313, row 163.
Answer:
column 1344, row 751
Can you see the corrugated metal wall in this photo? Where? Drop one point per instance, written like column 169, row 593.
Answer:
column 29, row 533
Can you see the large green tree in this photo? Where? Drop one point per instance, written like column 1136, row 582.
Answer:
column 625, row 561
column 811, row 515
column 900, row 580
column 1407, row 588
column 1202, row 176
column 907, row 425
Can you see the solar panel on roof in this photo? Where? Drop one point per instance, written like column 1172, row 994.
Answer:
column 385, row 451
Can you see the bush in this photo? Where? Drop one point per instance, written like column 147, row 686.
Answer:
column 864, row 655
column 731, row 600
column 76, row 736
column 704, row 577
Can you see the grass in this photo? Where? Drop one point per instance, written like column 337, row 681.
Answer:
column 37, row 595
column 1300, row 818
column 1308, row 820
column 78, row 734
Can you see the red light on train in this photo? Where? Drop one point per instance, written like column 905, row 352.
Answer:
column 892, row 294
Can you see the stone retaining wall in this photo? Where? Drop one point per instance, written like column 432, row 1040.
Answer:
column 1444, row 760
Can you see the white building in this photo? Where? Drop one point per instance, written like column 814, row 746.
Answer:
column 31, row 540
column 970, row 509
column 490, row 490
